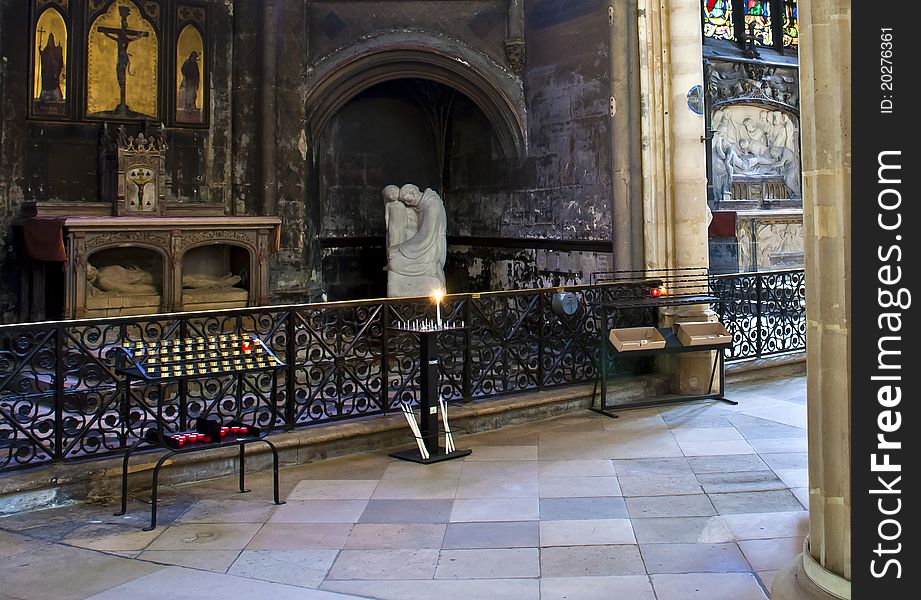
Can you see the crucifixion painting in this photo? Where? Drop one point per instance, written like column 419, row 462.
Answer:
column 123, row 36
column 122, row 65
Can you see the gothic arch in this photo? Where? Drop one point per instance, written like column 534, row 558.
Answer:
column 343, row 76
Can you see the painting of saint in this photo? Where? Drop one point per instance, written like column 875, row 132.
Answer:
column 190, row 67
column 123, row 62
column 50, row 74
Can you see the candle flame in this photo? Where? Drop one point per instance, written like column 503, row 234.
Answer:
column 438, row 295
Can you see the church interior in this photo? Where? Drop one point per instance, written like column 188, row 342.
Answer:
column 311, row 223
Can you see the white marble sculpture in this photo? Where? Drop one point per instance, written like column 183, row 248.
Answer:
column 416, row 244
column 750, row 141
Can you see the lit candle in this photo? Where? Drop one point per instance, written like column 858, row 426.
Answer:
column 438, row 294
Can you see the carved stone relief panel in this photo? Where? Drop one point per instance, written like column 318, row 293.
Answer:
column 755, row 154
column 728, row 82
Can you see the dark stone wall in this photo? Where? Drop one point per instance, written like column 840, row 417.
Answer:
column 261, row 155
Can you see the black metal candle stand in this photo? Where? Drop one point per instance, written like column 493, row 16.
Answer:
column 182, row 361
column 428, row 424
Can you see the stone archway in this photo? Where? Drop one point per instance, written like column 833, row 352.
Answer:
column 351, row 71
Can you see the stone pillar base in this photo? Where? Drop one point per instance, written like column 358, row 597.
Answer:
column 792, row 583
column 691, row 371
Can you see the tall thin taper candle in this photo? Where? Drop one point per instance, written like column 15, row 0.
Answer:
column 438, row 295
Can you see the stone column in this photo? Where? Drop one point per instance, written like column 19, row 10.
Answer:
column 824, row 569
column 674, row 159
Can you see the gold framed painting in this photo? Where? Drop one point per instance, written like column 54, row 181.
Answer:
column 123, row 60
column 50, row 58
column 190, row 94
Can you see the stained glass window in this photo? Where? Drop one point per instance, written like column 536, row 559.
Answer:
column 718, row 19
column 790, row 24
column 758, row 21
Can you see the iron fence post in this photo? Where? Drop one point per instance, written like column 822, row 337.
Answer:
column 759, row 342
column 183, row 385
column 58, row 393
column 385, row 356
column 541, row 342
column 290, row 369
column 467, row 382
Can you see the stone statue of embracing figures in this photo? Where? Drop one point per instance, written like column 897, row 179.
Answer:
column 416, row 245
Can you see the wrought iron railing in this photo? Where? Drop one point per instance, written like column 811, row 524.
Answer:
column 61, row 397
column 764, row 311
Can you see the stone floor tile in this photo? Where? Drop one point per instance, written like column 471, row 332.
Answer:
column 228, row 511
column 639, row 467
column 401, row 469
column 332, row 489
column 778, row 445
column 495, row 509
column 384, row 564
column 359, row 466
column 591, row 561
column 407, row 511
column 519, row 469
column 658, row 485
column 681, row 530
column 578, row 487
column 182, row 583
column 455, row 589
column 730, row 463
column 319, row 511
column 767, row 578
column 632, row 587
column 300, row 536
column 207, row 560
column 109, row 538
column 206, row 536
column 569, row 509
column 694, row 505
column 487, row 453
column 516, row 534
column 407, row 536
column 754, row 428
column 706, row 434
column 576, row 468
column 415, row 489
column 64, row 573
column 715, row 448
column 794, row 478
column 707, row 586
column 293, row 567
column 586, row 532
column 608, row 444
column 786, row 460
column 759, row 526
column 12, row 544
column 755, row 502
column 504, row 563
column 771, row 554
column 693, row 558
column 496, row 487
column 802, row 494
column 746, row 481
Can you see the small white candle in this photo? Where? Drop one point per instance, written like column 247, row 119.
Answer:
column 438, row 294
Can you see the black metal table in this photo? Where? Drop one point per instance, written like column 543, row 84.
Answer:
column 672, row 346
column 666, row 289
column 173, row 367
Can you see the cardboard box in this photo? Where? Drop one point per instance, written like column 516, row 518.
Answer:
column 636, row 338
column 703, row 334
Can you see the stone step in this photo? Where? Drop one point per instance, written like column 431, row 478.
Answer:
column 100, row 480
